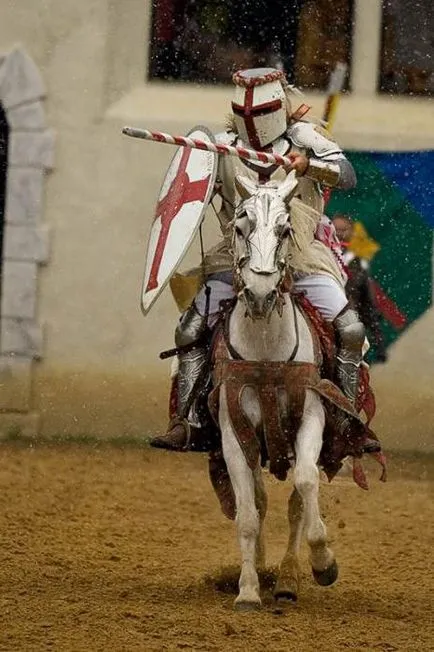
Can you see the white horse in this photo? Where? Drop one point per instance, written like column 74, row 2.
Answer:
column 266, row 325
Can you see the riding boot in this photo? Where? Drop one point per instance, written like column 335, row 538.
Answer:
column 351, row 336
column 181, row 428
column 191, row 370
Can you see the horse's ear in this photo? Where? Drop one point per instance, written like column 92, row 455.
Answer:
column 245, row 187
column 288, row 187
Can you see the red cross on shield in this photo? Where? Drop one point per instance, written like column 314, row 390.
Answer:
column 184, row 197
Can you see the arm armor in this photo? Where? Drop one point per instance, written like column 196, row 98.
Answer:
column 327, row 162
column 336, row 174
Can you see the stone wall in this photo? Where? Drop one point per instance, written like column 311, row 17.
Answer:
column 25, row 236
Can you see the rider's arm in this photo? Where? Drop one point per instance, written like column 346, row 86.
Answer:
column 327, row 163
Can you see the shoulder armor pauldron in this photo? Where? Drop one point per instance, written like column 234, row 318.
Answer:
column 309, row 136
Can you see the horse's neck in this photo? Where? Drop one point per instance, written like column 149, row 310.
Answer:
column 271, row 340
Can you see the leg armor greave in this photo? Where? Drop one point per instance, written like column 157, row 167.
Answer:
column 191, row 363
column 351, row 336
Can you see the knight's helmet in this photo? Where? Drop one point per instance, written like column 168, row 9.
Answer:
column 260, row 105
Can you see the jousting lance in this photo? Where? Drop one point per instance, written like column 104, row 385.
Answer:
column 334, row 90
column 196, row 143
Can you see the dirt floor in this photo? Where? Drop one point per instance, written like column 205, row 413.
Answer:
column 110, row 549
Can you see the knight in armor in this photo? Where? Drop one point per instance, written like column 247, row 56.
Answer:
column 263, row 119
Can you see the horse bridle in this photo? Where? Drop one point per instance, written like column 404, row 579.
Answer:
column 281, row 265
column 234, row 353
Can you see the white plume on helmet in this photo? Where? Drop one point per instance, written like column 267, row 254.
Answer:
column 260, row 105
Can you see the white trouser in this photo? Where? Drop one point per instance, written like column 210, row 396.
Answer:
column 324, row 293
column 321, row 290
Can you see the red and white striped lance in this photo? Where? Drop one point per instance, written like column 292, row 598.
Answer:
column 196, row 143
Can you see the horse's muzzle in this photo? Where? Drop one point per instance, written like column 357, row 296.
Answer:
column 259, row 307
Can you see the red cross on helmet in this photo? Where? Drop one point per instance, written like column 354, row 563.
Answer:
column 259, row 105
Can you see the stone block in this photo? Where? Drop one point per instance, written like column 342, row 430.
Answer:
column 19, row 289
column 15, row 383
column 14, row 424
column 20, row 80
column 26, row 242
column 22, row 337
column 24, row 190
column 32, row 149
column 29, row 116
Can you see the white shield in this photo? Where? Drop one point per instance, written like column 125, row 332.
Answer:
column 182, row 202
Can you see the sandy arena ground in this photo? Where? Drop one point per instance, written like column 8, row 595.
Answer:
column 110, row 549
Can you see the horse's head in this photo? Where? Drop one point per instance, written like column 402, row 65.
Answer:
column 261, row 232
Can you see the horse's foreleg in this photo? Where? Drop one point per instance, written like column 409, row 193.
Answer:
column 289, row 572
column 308, row 447
column 261, row 502
column 247, row 518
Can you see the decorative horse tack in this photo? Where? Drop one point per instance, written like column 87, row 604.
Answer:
column 290, row 379
column 268, row 379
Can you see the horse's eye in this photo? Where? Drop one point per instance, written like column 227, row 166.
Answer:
column 284, row 230
column 242, row 226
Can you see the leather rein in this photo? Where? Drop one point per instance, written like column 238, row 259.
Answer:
column 234, row 353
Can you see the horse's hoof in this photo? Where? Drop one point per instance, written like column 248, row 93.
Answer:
column 245, row 605
column 328, row 576
column 286, row 587
column 285, row 595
